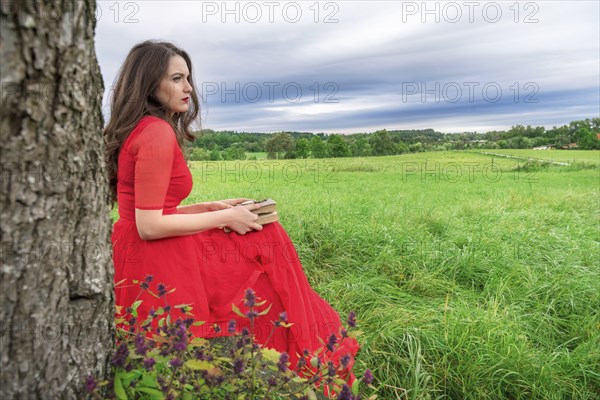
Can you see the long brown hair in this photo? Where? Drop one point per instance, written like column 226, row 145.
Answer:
column 133, row 97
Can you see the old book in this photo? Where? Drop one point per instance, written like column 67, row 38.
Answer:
column 266, row 214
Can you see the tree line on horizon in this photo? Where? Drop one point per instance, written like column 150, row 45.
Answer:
column 231, row 145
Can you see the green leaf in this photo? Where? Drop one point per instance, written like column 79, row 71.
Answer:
column 310, row 393
column 265, row 311
column 119, row 390
column 149, row 381
column 314, row 362
column 356, row 387
column 199, row 365
column 355, row 334
column 237, row 311
column 270, row 354
column 155, row 394
column 134, row 308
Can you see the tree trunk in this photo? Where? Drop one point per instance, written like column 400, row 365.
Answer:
column 56, row 275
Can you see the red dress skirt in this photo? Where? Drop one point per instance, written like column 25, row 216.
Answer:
column 210, row 270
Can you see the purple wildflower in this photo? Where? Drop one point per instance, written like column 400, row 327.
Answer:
column 148, row 278
column 238, row 366
column 217, row 328
column 149, row 363
column 162, row 290
column 140, row 345
column 90, row 383
column 301, row 364
column 152, row 312
column 165, row 351
column 250, row 298
column 330, row 369
column 245, row 331
column 251, row 314
column 345, row 393
column 231, row 326
column 272, row 381
column 367, row 377
column 283, row 360
column 352, row 319
column 179, row 346
column 120, row 355
column 345, row 360
column 331, row 341
column 144, row 285
column 176, row 362
column 167, row 308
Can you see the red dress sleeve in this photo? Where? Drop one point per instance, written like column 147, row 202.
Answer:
column 153, row 150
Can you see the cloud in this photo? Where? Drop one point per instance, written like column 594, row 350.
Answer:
column 349, row 66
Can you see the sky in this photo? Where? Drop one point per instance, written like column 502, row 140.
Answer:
column 359, row 66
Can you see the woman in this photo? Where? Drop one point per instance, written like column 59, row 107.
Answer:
column 154, row 102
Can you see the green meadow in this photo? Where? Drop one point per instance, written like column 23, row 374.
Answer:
column 473, row 277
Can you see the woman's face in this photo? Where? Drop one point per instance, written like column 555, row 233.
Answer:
column 174, row 89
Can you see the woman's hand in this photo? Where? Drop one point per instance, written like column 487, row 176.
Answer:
column 242, row 219
column 233, row 202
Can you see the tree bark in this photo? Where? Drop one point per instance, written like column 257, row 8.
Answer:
column 56, row 274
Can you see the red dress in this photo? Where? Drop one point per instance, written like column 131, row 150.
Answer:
column 212, row 269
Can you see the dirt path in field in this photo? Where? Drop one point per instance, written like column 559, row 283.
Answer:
column 524, row 158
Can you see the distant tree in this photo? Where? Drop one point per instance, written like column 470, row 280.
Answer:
column 400, row 148
column 381, row 143
column 235, row 152
column 318, row 148
column 279, row 143
column 214, row 154
column 302, row 148
column 416, row 147
column 199, row 154
column 337, row 146
column 360, row 147
column 587, row 140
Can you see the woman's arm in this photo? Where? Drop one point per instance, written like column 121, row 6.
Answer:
column 209, row 206
column 151, row 224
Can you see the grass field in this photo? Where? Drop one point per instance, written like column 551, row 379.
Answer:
column 473, row 277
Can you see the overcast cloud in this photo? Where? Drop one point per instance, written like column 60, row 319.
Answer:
column 358, row 66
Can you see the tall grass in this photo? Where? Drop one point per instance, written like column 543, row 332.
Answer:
column 479, row 286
